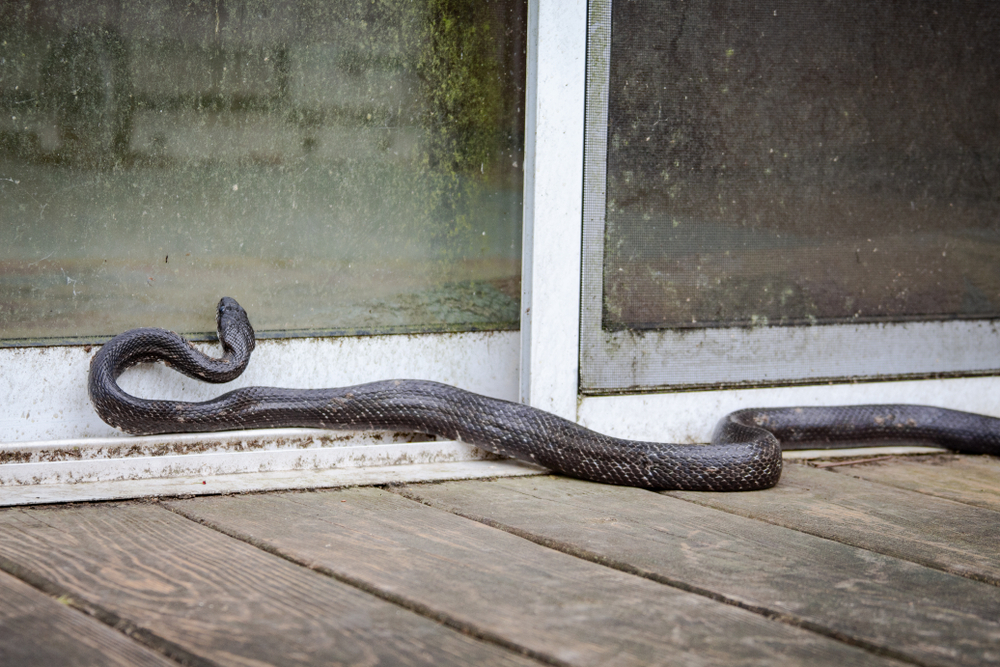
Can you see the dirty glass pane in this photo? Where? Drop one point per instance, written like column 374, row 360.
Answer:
column 802, row 162
column 336, row 165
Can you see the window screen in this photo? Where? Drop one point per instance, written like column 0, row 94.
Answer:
column 340, row 166
column 790, row 191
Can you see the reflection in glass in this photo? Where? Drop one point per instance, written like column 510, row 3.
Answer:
column 802, row 163
column 337, row 166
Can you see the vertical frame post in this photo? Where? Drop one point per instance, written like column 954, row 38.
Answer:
column 553, row 205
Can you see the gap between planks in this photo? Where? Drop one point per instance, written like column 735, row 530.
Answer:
column 973, row 480
column 40, row 631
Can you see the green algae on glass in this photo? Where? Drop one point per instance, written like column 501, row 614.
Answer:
column 336, row 165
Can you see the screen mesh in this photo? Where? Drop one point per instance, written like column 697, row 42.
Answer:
column 801, row 163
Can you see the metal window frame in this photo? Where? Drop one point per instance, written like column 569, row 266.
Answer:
column 553, row 343
column 649, row 360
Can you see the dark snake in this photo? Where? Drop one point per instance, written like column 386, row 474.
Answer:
column 745, row 452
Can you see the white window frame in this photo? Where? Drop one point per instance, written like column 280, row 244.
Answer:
column 66, row 453
column 550, row 332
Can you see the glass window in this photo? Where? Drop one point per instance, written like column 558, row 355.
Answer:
column 343, row 166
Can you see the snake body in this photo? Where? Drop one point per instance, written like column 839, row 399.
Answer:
column 745, row 453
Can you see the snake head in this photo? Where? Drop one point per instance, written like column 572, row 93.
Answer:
column 234, row 327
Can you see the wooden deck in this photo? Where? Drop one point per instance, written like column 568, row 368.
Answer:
column 889, row 563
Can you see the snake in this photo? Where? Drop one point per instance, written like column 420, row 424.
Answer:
column 745, row 452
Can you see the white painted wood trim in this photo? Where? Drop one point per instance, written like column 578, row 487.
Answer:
column 553, row 204
column 689, row 417
column 257, row 451
column 45, row 388
column 54, row 448
column 198, row 485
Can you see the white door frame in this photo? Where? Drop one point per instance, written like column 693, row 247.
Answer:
column 551, row 282
column 53, row 447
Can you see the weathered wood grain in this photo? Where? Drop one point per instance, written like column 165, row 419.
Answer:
column 904, row 609
column 974, row 480
column 219, row 598
column 567, row 610
column 939, row 533
column 38, row 631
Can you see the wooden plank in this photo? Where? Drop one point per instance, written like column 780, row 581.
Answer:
column 939, row 533
column 974, row 480
column 219, row 599
column 903, row 609
column 38, row 631
column 566, row 610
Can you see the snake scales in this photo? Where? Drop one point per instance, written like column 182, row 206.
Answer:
column 745, row 453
